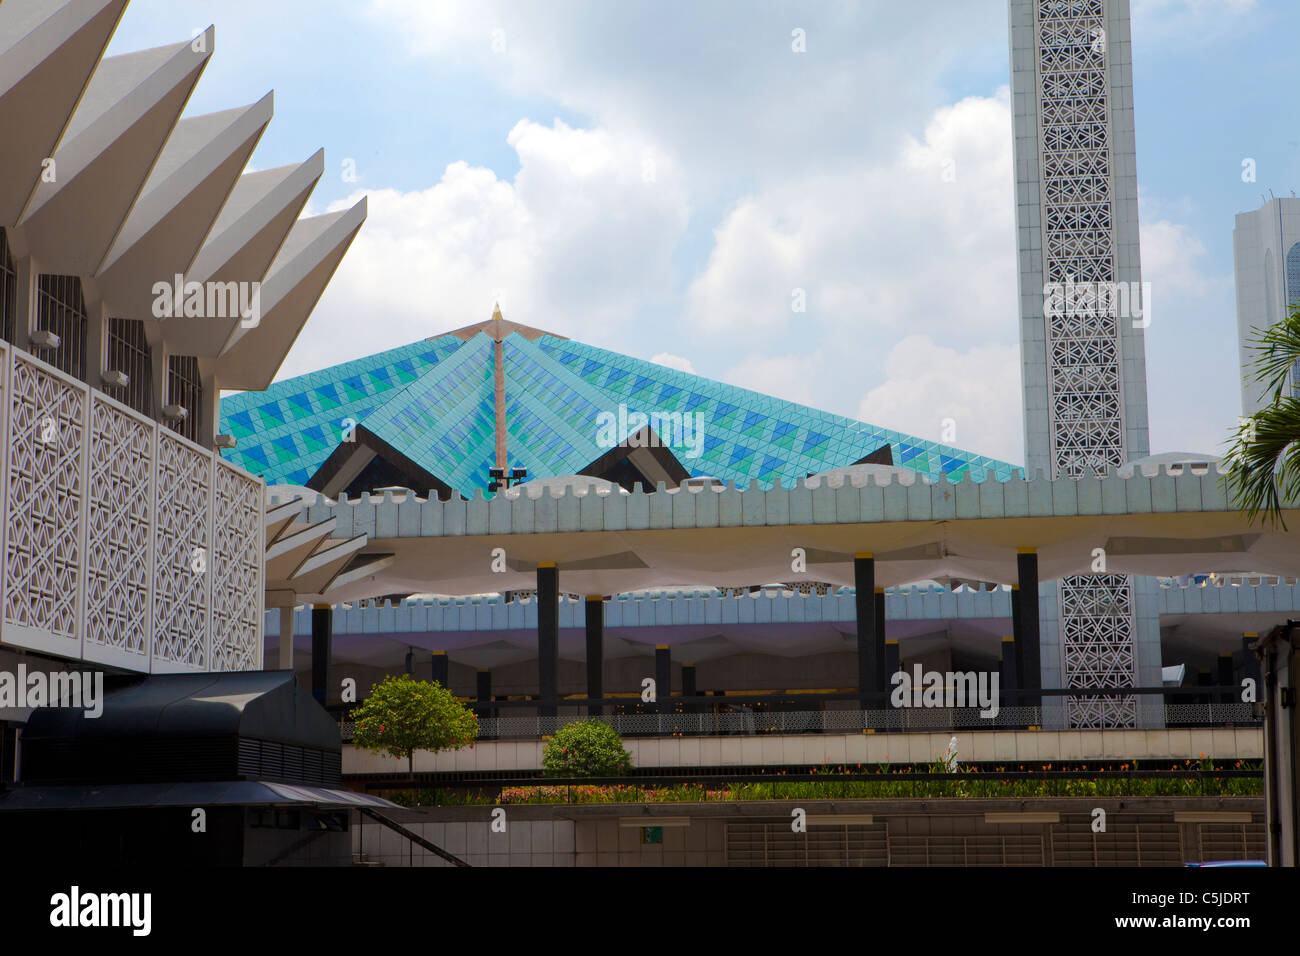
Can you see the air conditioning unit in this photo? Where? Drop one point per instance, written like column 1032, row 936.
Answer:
column 45, row 339
column 175, row 413
column 225, row 441
column 115, row 378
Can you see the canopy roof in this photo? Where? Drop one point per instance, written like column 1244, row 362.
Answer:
column 437, row 413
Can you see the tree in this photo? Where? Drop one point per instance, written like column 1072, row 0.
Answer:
column 402, row 716
column 1265, row 451
column 587, row 748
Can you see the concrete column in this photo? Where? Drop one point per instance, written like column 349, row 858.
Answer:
column 1010, row 671
column 891, row 659
column 1029, row 640
column 25, row 298
column 441, row 668
column 286, row 639
column 322, row 636
column 548, row 637
column 871, row 648
column 663, row 679
column 688, row 687
column 595, row 607
column 1225, row 678
column 1250, row 665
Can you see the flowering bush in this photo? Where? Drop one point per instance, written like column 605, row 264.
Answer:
column 402, row 716
column 588, row 748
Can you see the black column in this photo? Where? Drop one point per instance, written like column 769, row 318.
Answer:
column 663, row 678
column 483, row 691
column 440, row 667
column 871, row 648
column 891, row 660
column 1225, row 678
column 1010, row 669
column 1018, row 637
column 1203, row 680
column 688, row 687
column 322, row 633
column 548, row 637
column 1029, row 641
column 595, row 652
column 1250, row 665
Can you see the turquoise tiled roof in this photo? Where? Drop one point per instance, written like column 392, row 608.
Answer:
column 434, row 402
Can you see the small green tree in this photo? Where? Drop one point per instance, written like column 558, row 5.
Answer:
column 402, row 716
column 1265, row 452
column 587, row 748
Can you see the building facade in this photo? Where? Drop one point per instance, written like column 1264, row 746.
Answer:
column 1266, row 266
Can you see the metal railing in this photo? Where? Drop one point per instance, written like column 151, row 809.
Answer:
column 748, row 723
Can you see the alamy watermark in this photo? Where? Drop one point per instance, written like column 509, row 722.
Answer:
column 208, row 300
column 1124, row 300
column 683, row 430
column 79, row 691
column 946, row 689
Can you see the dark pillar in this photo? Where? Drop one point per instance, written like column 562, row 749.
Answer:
column 322, row 633
column 595, row 652
column 1250, row 666
column 688, row 687
column 441, row 667
column 891, row 660
column 1017, row 636
column 1203, row 680
column 483, row 691
column 871, row 647
column 1010, row 667
column 548, row 637
column 1225, row 678
column 410, row 660
column 663, row 678
column 1029, row 640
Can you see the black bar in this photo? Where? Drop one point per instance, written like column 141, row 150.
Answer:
column 548, row 637
column 688, row 687
column 871, row 651
column 891, row 660
column 440, row 667
column 322, row 632
column 1203, row 682
column 483, row 685
column 1029, row 640
column 595, row 652
column 882, row 674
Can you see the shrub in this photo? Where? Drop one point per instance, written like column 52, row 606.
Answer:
column 588, row 748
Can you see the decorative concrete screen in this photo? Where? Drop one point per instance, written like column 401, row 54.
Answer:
column 122, row 542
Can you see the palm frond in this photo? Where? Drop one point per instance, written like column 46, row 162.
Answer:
column 1265, row 461
column 1278, row 350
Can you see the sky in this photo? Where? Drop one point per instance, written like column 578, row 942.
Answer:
column 810, row 200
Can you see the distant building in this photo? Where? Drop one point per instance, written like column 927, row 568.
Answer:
column 1266, row 266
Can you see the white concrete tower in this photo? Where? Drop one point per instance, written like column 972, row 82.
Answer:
column 1082, row 311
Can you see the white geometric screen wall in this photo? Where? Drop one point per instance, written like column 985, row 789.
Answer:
column 121, row 543
column 1085, row 388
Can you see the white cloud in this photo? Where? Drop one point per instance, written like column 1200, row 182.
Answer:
column 784, row 376
column 578, row 238
column 921, row 239
column 668, row 360
column 978, row 389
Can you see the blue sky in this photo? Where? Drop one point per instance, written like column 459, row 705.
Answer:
column 660, row 179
